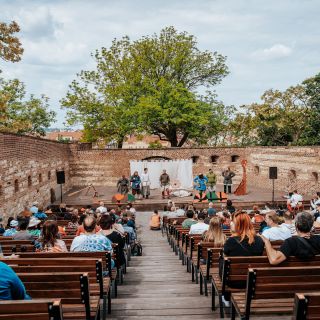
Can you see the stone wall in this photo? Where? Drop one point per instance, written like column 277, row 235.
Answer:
column 28, row 171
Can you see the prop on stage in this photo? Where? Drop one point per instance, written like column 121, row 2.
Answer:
column 123, row 198
column 200, row 197
column 242, row 187
column 211, row 197
column 95, row 195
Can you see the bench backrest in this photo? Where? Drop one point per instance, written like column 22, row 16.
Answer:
column 41, row 309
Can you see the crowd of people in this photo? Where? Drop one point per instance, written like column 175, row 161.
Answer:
column 95, row 230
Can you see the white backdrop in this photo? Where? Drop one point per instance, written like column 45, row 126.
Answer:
column 178, row 170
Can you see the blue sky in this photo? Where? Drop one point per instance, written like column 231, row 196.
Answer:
column 268, row 44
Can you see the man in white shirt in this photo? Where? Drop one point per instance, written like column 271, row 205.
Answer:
column 314, row 203
column 102, row 209
column 295, row 201
column 145, row 182
column 200, row 227
column 275, row 232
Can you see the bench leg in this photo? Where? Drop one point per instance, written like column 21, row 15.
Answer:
column 197, row 274
column 192, row 271
column 213, row 298
column 109, row 302
column 205, row 286
column 221, row 306
column 201, row 284
column 233, row 312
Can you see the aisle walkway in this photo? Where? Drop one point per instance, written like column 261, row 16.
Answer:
column 157, row 285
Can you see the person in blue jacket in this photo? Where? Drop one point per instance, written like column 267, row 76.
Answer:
column 11, row 287
column 201, row 183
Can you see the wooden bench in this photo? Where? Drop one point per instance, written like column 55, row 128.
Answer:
column 99, row 285
column 306, row 306
column 38, row 309
column 71, row 287
column 270, row 291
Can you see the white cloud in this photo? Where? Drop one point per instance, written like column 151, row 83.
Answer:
column 277, row 51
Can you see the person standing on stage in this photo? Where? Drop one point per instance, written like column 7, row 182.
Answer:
column 201, row 184
column 164, row 183
column 136, row 184
column 227, row 181
column 145, row 182
column 212, row 180
column 123, row 185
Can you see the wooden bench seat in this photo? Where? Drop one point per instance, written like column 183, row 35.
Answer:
column 307, row 306
column 270, row 291
column 37, row 309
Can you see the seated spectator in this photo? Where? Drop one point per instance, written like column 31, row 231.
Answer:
column 200, row 227
column 129, row 230
column 215, row 233
column 289, row 222
column 256, row 216
column 211, row 211
column 155, row 221
column 102, row 209
column 68, row 215
column 230, row 207
column 62, row 210
column 131, row 222
column 303, row 246
column 131, row 208
column 314, row 203
column 73, row 223
column 80, row 229
column 275, row 232
column 34, row 208
column 244, row 241
column 295, row 201
column 226, row 220
column 106, row 223
column 48, row 211
column 50, row 241
column 117, row 223
column 187, row 223
column 22, row 233
column 34, row 227
column 11, row 287
column 89, row 240
column 40, row 214
column 2, row 229
column 13, row 225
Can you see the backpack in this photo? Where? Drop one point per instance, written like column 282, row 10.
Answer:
column 136, row 249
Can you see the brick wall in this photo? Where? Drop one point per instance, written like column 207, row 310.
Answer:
column 28, row 171
column 22, row 159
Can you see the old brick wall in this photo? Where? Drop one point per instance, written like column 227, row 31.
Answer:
column 299, row 167
column 28, row 171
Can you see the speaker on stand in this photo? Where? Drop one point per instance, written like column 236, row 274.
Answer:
column 61, row 179
column 273, row 175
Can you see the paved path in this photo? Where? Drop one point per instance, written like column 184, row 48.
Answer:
column 157, row 285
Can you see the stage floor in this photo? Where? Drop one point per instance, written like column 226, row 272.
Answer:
column 254, row 195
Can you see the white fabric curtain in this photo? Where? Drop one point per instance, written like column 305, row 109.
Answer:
column 180, row 171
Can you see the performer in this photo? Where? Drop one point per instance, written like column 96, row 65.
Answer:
column 201, row 184
column 145, row 182
column 212, row 180
column 227, row 182
column 135, row 184
column 123, row 185
column 165, row 184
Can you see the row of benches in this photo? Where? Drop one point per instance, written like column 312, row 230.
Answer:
column 254, row 285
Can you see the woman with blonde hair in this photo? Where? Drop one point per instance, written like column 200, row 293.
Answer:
column 50, row 239
column 215, row 233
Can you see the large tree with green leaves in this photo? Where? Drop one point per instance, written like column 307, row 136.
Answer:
column 149, row 85
column 22, row 115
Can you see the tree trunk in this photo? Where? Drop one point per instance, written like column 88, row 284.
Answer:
column 183, row 140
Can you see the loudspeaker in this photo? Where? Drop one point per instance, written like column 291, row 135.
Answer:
column 273, row 172
column 60, row 177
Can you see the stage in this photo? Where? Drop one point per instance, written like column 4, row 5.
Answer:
column 254, row 196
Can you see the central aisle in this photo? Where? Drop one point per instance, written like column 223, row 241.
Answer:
column 157, row 285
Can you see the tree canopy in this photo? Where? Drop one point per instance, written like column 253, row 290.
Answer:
column 149, row 85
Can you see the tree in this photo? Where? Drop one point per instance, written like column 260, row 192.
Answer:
column 138, row 83
column 21, row 115
column 311, row 135
column 10, row 46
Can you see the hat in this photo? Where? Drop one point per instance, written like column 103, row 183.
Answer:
column 33, row 222
column 13, row 223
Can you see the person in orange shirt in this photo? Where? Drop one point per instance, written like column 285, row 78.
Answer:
column 155, row 221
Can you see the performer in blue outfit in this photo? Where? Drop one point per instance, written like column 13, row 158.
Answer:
column 201, row 184
column 136, row 184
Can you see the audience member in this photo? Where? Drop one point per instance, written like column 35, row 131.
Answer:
column 230, row 207
column 13, row 225
column 129, row 230
column 187, row 223
column 33, row 227
column 295, row 201
column 289, row 222
column 155, row 221
column 200, row 227
column 102, row 207
column 73, row 223
column 89, row 240
column 215, row 233
column 40, row 214
column 22, row 233
column 34, row 208
column 50, row 241
column 303, row 246
column 315, row 202
column 275, row 232
column 11, row 287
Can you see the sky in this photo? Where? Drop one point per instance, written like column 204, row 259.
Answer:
column 268, row 44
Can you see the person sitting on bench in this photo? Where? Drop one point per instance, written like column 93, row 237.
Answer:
column 302, row 246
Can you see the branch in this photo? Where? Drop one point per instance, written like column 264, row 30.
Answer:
column 183, row 140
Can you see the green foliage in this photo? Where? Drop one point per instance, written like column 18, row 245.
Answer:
column 155, row 145
column 148, row 86
column 21, row 115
